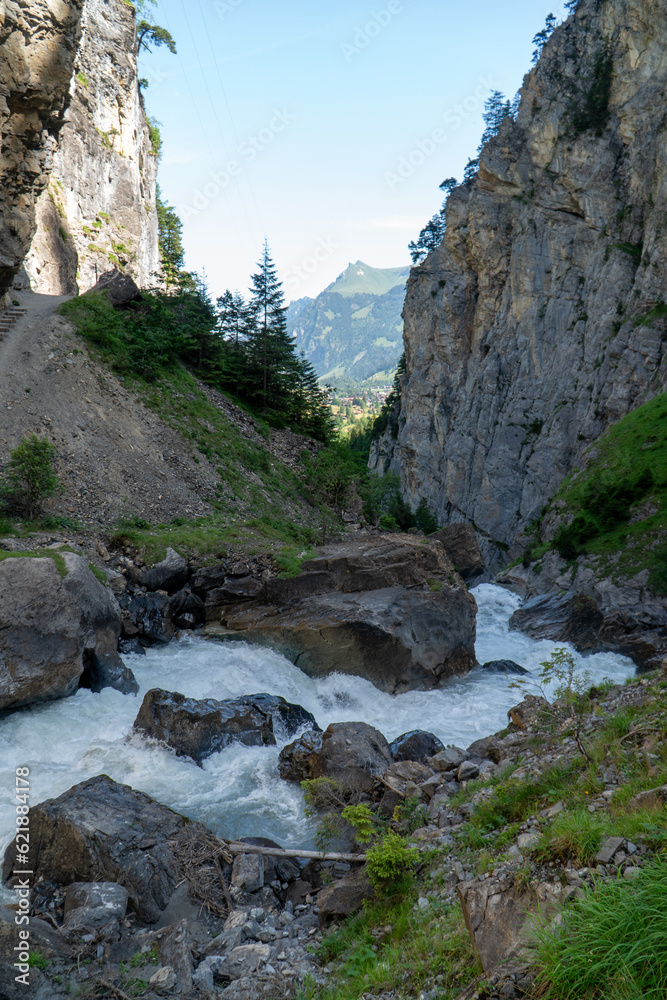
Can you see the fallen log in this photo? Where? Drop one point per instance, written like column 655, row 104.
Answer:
column 278, row 852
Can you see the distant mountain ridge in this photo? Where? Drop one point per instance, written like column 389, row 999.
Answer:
column 353, row 330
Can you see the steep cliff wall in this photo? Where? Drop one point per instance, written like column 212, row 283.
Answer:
column 99, row 208
column 38, row 41
column 540, row 319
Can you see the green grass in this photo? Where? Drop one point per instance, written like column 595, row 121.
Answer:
column 256, row 494
column 613, row 944
column 627, row 471
column 389, row 946
column 41, row 554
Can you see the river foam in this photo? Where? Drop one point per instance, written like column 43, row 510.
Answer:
column 238, row 792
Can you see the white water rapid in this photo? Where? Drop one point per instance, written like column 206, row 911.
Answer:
column 238, row 792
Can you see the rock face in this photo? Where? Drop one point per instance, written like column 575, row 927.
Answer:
column 534, row 326
column 98, row 211
column 52, row 626
column 38, row 44
column 461, row 545
column 103, row 831
column 198, row 728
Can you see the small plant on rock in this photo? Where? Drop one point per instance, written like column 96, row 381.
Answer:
column 571, row 704
column 390, row 861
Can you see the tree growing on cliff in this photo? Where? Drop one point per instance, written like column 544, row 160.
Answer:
column 496, row 110
column 543, row 36
column 433, row 232
column 152, row 34
column 170, row 242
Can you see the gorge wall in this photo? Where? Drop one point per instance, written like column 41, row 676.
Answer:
column 78, row 177
column 38, row 43
column 539, row 321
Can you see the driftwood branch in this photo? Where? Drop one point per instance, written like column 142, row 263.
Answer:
column 278, row 852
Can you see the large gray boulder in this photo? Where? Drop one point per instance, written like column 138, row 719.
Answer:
column 461, row 545
column 56, row 619
column 102, row 831
column 352, row 754
column 198, row 728
column 399, row 638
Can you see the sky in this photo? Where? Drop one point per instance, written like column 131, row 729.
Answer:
column 324, row 128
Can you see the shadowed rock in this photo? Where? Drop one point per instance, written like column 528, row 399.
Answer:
column 198, row 728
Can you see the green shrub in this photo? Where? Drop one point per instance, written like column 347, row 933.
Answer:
column 425, row 519
column 575, row 834
column 390, row 861
column 29, row 477
column 612, row 944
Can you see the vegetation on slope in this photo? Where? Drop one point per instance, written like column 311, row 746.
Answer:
column 615, row 507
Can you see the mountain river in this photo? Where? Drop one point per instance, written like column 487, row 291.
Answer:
column 238, row 792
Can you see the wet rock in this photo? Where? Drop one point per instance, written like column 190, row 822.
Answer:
column 197, row 728
column 298, row 761
column 48, row 623
column 352, row 754
column 186, row 610
column 100, row 830
column 170, row 574
column 416, row 745
column 107, row 670
column 461, row 545
column 504, row 667
column 567, row 617
column 128, row 647
column 399, row 639
column 209, row 577
column 93, row 904
column 147, row 617
column 343, row 897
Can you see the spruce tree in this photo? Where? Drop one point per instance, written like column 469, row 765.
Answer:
column 170, row 242
column 271, row 350
column 496, row 110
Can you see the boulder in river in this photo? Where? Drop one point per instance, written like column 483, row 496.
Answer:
column 567, row 617
column 416, row 745
column 461, row 545
column 504, row 667
column 102, row 831
column 351, row 753
column 400, row 639
column 299, row 760
column 55, row 616
column 170, row 574
column 198, row 728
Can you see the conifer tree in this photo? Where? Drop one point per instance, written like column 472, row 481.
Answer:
column 543, row 36
column 496, row 110
column 170, row 241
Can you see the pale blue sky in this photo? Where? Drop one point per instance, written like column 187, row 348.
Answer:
column 313, row 124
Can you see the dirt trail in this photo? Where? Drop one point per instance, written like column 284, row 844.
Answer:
column 114, row 456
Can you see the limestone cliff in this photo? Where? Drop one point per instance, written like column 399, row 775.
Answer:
column 540, row 321
column 98, row 211
column 77, row 171
column 38, row 42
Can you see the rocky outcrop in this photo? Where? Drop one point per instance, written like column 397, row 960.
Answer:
column 352, row 754
column 590, row 609
column 399, row 639
column 100, row 830
column 38, row 45
column 98, row 212
column 396, row 605
column 416, row 745
column 198, row 728
column 460, row 543
column 538, row 321
column 56, row 621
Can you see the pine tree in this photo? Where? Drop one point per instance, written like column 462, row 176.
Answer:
column 170, row 241
column 271, row 349
column 496, row 110
column 433, row 232
column 543, row 36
